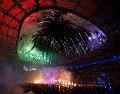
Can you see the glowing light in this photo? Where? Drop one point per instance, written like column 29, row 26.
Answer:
column 25, row 53
column 60, row 83
column 53, row 76
column 38, row 81
column 75, row 84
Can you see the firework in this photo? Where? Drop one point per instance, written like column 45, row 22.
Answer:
column 52, row 36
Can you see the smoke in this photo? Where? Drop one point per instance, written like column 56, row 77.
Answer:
column 30, row 92
column 64, row 75
column 50, row 75
column 9, row 78
column 19, row 90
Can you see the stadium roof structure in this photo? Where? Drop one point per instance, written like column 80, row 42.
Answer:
column 103, row 13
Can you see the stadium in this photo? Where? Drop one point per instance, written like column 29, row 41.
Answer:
column 59, row 46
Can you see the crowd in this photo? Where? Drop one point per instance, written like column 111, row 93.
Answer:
column 57, row 89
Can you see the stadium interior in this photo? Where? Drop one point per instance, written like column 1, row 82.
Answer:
column 59, row 46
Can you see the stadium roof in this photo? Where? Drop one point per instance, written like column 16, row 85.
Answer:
column 103, row 13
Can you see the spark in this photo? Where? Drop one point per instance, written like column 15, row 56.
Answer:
column 58, row 37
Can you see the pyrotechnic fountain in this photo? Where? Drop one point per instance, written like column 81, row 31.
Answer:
column 58, row 76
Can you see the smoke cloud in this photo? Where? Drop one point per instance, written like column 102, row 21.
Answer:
column 49, row 75
column 10, row 78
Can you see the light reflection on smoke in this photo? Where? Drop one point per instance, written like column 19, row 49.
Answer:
column 52, row 75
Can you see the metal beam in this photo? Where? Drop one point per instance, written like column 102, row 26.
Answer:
column 37, row 3
column 54, row 3
column 7, row 25
column 20, row 6
column 99, row 9
column 77, row 4
column 110, row 19
column 8, row 14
